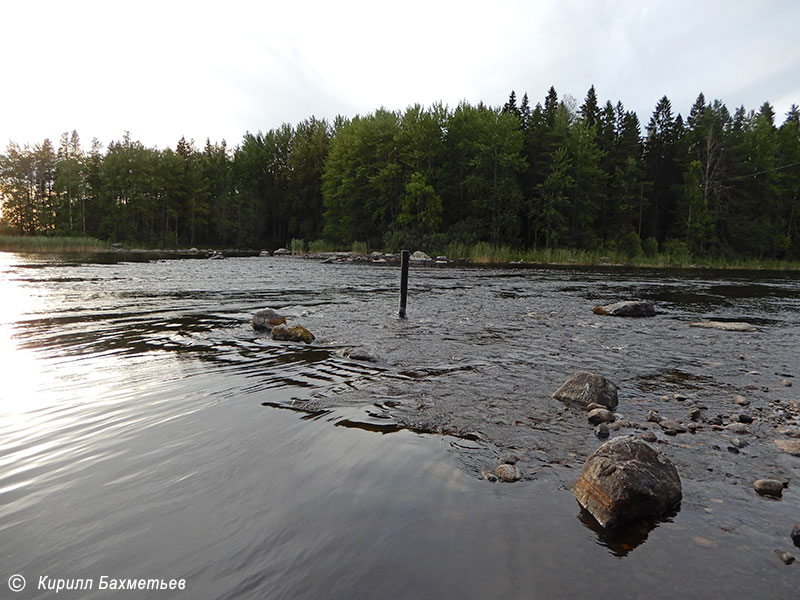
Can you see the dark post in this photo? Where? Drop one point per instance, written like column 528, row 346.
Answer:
column 404, row 258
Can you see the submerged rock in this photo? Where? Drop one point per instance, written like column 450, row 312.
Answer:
column 625, row 480
column 725, row 325
column 583, row 388
column 631, row 308
column 795, row 535
column 266, row 318
column 785, row 556
column 295, row 333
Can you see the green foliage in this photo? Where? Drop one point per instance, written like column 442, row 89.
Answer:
column 297, row 246
column 552, row 182
column 359, row 248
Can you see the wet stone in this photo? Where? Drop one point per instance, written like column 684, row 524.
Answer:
column 741, row 401
column 508, row 473
column 739, row 428
column 508, row 458
column 654, row 417
column 789, row 446
column 649, row 436
column 742, row 418
column 795, row 535
column 600, row 415
column 785, row 556
column 266, row 318
column 601, row 431
column 694, row 413
column 786, row 382
column 769, row 487
column 584, row 388
column 739, row 443
column 672, row 427
column 717, row 420
column 625, row 480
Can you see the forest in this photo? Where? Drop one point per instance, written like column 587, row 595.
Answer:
column 553, row 175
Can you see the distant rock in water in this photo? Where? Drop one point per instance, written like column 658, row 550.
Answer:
column 583, row 389
column 725, row 325
column 281, row 252
column 295, row 333
column 625, row 480
column 420, row 256
column 633, row 308
column 266, row 319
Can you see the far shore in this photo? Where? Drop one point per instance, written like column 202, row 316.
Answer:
column 490, row 256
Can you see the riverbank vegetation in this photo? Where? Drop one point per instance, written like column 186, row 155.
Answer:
column 554, row 182
column 56, row 244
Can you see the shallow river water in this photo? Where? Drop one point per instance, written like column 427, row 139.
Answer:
column 147, row 432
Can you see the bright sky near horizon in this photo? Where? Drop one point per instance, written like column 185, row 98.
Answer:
column 173, row 68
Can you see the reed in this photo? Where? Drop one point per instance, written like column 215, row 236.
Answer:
column 54, row 244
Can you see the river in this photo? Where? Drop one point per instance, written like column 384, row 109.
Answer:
column 146, row 431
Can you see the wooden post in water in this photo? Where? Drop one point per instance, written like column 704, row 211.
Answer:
column 405, row 255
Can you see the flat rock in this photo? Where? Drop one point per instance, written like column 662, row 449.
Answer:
column 266, row 319
column 631, row 308
column 583, row 388
column 789, row 446
column 625, row 480
column 295, row 333
column 725, row 325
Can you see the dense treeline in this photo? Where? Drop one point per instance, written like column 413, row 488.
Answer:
column 555, row 175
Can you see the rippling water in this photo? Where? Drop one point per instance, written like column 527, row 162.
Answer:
column 143, row 430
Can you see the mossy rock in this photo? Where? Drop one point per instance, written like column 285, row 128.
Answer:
column 295, row 333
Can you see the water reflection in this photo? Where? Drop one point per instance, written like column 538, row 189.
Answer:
column 623, row 540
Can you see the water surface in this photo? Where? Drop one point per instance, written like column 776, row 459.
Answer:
column 144, row 429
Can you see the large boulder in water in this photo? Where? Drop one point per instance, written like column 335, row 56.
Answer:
column 266, row 318
column 626, row 480
column 627, row 309
column 582, row 389
column 295, row 333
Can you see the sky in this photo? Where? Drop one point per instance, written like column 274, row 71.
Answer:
column 216, row 70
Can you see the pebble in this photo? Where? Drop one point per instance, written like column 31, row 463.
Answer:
column 592, row 405
column 741, row 401
column 680, row 397
column 693, row 427
column 508, row 473
column 489, row 476
column 786, row 382
column 695, row 413
column 672, row 427
column 715, row 420
column 739, row 443
column 743, row 418
column 785, row 556
column 769, row 487
column 796, row 535
column 666, row 397
column 649, row 436
column 601, row 431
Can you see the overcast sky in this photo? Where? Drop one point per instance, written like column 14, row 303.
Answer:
column 199, row 69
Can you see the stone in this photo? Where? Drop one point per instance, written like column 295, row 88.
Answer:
column 420, row 256
column 601, row 415
column 768, row 487
column 739, row 428
column 741, row 401
column 601, row 431
column 786, row 382
column 649, row 436
column 795, row 535
column 672, row 427
column 654, row 417
column 507, row 473
column 281, row 252
column 725, row 325
column 631, row 308
column 789, row 446
column 584, row 388
column 266, row 318
column 295, row 333
column 743, row 418
column 592, row 405
column 508, row 458
column 694, row 413
column 739, row 442
column 785, row 556
column 625, row 480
